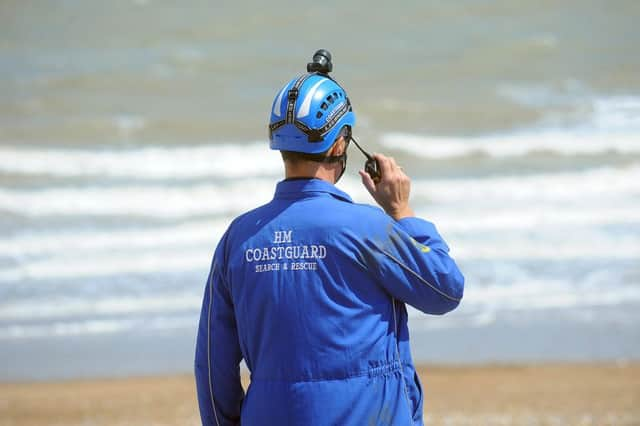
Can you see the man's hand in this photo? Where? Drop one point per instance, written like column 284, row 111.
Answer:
column 392, row 191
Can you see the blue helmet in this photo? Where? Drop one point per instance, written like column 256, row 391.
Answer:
column 308, row 114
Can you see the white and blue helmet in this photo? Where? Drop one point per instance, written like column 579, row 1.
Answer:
column 308, row 114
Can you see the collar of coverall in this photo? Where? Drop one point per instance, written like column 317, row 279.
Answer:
column 288, row 188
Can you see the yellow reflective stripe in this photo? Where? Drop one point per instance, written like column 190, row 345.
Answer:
column 422, row 247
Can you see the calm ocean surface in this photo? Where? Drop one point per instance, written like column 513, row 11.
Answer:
column 132, row 132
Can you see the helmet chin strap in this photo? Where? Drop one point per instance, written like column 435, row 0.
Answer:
column 342, row 159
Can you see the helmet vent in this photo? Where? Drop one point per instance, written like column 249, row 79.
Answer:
column 330, row 99
column 324, row 106
column 318, row 114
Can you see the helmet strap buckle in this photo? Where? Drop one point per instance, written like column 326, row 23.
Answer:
column 293, row 94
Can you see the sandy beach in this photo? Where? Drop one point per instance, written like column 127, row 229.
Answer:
column 549, row 394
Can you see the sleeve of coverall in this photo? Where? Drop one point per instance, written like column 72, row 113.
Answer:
column 218, row 355
column 416, row 267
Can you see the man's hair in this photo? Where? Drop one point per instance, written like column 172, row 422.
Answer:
column 296, row 157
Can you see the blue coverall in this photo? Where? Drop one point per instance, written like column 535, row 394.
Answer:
column 310, row 289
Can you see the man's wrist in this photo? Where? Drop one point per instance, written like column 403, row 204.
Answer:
column 401, row 213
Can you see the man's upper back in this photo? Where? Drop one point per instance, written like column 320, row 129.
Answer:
column 307, row 303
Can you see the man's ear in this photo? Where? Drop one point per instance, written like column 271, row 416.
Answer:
column 338, row 148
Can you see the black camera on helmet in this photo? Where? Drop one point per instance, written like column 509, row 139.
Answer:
column 321, row 62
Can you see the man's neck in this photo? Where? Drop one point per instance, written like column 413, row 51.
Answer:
column 309, row 171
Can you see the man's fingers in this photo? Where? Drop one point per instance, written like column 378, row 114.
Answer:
column 367, row 181
column 388, row 166
column 392, row 191
column 385, row 163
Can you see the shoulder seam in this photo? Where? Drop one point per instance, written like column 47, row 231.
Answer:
column 415, row 274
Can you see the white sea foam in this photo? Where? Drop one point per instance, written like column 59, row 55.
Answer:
column 617, row 113
column 483, row 303
column 84, row 254
column 604, row 188
column 137, row 200
column 546, row 202
column 58, row 329
column 466, row 210
column 570, row 93
column 85, row 264
column 525, row 246
column 164, row 302
column 609, row 124
column 506, row 204
column 187, row 248
column 156, row 162
column 566, row 187
column 51, row 243
column 549, row 294
column 608, row 114
column 544, row 219
column 514, row 144
column 96, row 326
column 613, row 126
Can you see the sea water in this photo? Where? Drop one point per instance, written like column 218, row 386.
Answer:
column 132, row 132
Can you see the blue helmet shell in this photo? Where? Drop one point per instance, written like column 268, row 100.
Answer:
column 319, row 100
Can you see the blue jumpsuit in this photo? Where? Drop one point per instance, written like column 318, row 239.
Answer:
column 310, row 290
